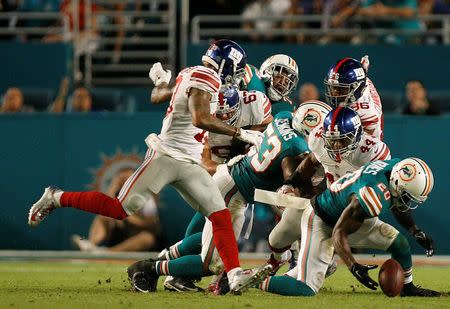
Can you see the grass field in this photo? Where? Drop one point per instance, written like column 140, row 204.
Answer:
column 104, row 285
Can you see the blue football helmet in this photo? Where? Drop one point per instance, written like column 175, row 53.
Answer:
column 228, row 107
column 228, row 59
column 345, row 82
column 342, row 131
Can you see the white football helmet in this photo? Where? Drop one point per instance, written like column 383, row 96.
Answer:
column 411, row 181
column 309, row 115
column 281, row 72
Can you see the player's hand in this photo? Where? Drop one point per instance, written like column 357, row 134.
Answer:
column 425, row 241
column 365, row 62
column 361, row 272
column 158, row 75
column 250, row 137
column 235, row 160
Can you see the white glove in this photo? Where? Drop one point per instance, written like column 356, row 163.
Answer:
column 365, row 63
column 285, row 189
column 250, row 137
column 235, row 160
column 158, row 75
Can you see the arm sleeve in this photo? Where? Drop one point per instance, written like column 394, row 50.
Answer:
column 204, row 79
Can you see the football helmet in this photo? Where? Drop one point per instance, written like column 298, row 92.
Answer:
column 342, row 132
column 280, row 72
column 345, row 82
column 228, row 59
column 411, row 181
column 309, row 115
column 228, row 107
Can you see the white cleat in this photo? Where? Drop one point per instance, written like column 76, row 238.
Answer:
column 42, row 208
column 245, row 279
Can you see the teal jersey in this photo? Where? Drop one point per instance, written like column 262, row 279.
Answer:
column 252, row 81
column 262, row 169
column 370, row 184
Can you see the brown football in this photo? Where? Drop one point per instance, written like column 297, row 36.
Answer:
column 391, row 278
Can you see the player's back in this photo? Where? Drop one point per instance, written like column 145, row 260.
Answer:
column 370, row 184
column 369, row 109
column 254, row 109
column 262, row 169
column 179, row 137
column 369, row 149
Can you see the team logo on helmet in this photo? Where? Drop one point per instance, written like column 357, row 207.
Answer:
column 312, row 118
column 407, row 172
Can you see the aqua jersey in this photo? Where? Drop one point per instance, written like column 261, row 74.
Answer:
column 370, row 185
column 252, row 81
column 262, row 169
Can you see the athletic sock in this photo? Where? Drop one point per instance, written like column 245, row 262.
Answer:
column 285, row 285
column 187, row 266
column 94, row 202
column 401, row 252
column 224, row 239
column 195, row 225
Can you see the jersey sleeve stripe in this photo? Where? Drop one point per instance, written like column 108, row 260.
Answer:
column 267, row 106
column 375, row 199
column 206, row 78
column 366, row 201
column 369, row 122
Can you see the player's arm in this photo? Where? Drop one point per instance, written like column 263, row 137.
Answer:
column 202, row 118
column 161, row 94
column 349, row 222
column 406, row 220
column 301, row 176
column 207, row 162
column 262, row 126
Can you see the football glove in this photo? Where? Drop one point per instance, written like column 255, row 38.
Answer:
column 158, row 75
column 250, row 137
column 365, row 63
column 361, row 272
column 425, row 241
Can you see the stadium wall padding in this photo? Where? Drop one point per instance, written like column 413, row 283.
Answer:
column 34, row 65
column 74, row 150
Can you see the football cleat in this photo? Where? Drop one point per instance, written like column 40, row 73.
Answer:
column 143, row 276
column 332, row 267
column 82, row 244
column 276, row 264
column 220, row 285
column 42, row 208
column 178, row 284
column 244, row 279
column 163, row 255
column 412, row 290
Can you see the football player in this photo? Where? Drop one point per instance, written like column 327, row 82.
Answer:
column 346, row 215
column 242, row 109
column 174, row 157
column 347, row 84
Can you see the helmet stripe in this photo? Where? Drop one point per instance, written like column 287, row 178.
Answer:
column 333, row 120
column 339, row 64
column 427, row 189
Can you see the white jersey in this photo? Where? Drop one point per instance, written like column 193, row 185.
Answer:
column 179, row 138
column 255, row 108
column 368, row 107
column 369, row 149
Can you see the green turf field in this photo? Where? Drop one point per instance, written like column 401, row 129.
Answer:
column 104, row 285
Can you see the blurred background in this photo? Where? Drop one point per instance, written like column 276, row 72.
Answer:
column 75, row 106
